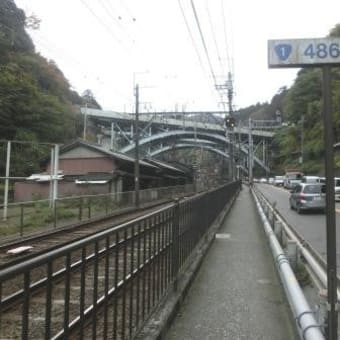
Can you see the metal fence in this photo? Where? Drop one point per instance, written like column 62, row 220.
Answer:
column 30, row 217
column 106, row 285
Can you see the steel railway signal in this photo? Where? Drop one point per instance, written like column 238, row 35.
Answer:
column 230, row 122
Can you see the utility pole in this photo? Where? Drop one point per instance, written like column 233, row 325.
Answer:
column 85, row 122
column 250, row 154
column 302, row 137
column 228, row 85
column 230, row 92
column 8, row 160
column 137, row 148
column 55, row 174
column 332, row 299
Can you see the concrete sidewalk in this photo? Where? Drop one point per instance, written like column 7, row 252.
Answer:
column 236, row 293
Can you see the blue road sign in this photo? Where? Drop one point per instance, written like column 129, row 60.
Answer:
column 303, row 52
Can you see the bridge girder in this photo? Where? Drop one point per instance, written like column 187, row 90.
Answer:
column 187, row 145
column 180, row 134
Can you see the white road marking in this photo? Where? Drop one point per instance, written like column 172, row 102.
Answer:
column 223, row 236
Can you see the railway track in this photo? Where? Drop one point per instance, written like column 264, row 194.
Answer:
column 56, row 238
column 104, row 284
column 81, row 279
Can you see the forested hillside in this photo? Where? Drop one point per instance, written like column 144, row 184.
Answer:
column 36, row 101
column 301, row 110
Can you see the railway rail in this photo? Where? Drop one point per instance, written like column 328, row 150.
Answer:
column 52, row 239
column 107, row 284
column 24, row 219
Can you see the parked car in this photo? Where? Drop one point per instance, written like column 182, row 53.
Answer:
column 308, row 196
column 278, row 180
column 292, row 178
column 311, row 179
column 337, row 188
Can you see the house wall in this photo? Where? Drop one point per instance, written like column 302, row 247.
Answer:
column 81, row 160
column 86, row 165
column 28, row 191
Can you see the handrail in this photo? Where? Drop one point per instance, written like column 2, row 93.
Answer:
column 309, row 329
column 125, row 272
column 305, row 248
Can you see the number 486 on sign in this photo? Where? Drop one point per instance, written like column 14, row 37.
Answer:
column 322, row 50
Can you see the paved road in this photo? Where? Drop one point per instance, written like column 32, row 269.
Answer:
column 236, row 294
column 311, row 225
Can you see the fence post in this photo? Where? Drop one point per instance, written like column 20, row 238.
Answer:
column 89, row 208
column 106, row 205
column 292, row 254
column 8, row 158
column 175, row 243
column 278, row 231
column 55, row 213
column 21, row 219
column 80, row 216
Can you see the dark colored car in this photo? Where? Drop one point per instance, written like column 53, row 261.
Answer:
column 308, row 196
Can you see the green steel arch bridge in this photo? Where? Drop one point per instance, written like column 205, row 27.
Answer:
column 161, row 132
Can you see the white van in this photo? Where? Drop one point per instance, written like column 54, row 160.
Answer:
column 337, row 188
column 311, row 179
column 292, row 178
column 278, row 180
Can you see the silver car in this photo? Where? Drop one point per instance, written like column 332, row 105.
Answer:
column 308, row 196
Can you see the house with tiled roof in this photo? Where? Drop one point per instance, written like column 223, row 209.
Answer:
column 88, row 168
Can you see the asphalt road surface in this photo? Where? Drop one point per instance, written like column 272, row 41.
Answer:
column 311, row 225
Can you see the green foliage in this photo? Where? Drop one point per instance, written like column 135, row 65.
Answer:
column 301, row 110
column 302, row 275
column 13, row 37
column 304, row 98
column 306, row 90
column 37, row 103
column 27, row 109
column 337, row 161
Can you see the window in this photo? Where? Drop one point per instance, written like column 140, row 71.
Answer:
column 312, row 189
column 298, row 189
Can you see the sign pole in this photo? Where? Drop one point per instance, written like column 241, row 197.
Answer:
column 137, row 172
column 332, row 324
column 323, row 53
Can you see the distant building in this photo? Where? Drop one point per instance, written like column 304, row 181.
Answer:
column 87, row 168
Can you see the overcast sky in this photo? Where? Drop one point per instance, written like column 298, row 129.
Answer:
column 175, row 51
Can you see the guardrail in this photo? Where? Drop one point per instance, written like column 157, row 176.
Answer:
column 310, row 324
column 108, row 284
column 26, row 218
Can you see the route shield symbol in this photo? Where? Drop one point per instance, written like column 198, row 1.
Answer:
column 283, row 51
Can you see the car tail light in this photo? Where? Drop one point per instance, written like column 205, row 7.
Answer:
column 301, row 197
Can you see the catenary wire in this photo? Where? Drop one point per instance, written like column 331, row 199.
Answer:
column 194, row 45
column 203, row 40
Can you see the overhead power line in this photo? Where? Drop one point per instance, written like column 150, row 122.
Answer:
column 110, row 13
column 230, row 66
column 191, row 36
column 102, row 23
column 203, row 40
column 47, row 44
column 215, row 40
column 194, row 44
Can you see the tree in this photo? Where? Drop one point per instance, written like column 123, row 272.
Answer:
column 13, row 36
column 24, row 107
column 32, row 22
column 89, row 100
